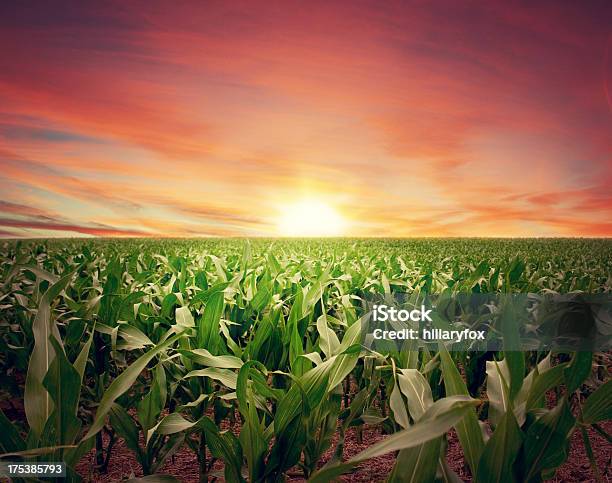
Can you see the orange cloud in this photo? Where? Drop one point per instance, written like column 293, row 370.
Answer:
column 85, row 230
column 203, row 119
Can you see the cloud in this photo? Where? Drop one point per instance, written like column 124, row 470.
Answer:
column 9, row 234
column 85, row 230
column 24, row 210
column 28, row 217
column 415, row 118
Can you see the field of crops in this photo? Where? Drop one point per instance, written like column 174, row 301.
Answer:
column 248, row 354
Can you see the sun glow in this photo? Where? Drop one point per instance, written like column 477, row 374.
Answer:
column 310, row 217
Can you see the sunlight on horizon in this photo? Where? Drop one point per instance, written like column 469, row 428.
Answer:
column 310, row 217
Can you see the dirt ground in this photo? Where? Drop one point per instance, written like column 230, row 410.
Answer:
column 184, row 465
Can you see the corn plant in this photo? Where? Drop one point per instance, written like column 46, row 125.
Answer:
column 162, row 342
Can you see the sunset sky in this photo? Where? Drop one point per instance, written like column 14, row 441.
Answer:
column 440, row 118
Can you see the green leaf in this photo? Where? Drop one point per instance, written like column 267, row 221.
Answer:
column 173, row 423
column 515, row 362
column 347, row 358
column 81, row 361
column 37, row 401
column 204, row 296
column 328, row 340
column 27, row 453
column 40, row 273
column 440, row 417
column 160, row 380
column 123, row 382
column 151, row 405
column 420, row 462
column 543, row 382
column 183, row 317
column 500, row 452
column 547, row 442
column 397, row 405
column 578, row 370
column 497, row 390
column 522, row 399
column 417, row 391
column 168, row 304
column 125, row 426
column 225, row 446
column 308, row 389
column 205, row 358
column 10, row 439
column 252, row 436
column 224, row 376
column 598, row 406
column 262, row 297
column 296, row 347
column 63, row 383
column 417, row 464
column 134, row 338
column 208, row 332
column 468, row 429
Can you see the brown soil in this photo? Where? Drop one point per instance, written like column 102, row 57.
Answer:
column 184, row 464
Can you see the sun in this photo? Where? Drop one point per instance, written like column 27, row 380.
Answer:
column 310, row 218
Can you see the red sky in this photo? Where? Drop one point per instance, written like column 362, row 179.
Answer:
column 207, row 118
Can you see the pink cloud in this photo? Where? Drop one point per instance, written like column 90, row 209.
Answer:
column 496, row 118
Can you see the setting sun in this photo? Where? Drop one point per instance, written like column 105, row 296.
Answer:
column 310, row 217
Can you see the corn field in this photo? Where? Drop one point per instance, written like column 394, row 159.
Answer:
column 161, row 343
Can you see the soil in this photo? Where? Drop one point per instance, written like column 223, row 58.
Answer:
column 184, row 465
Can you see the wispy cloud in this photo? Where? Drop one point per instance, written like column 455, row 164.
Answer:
column 84, row 230
column 438, row 118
